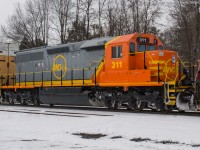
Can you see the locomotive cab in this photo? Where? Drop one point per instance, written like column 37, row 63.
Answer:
column 137, row 63
column 138, row 60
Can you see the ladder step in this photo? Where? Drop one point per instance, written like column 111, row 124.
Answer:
column 184, row 87
column 179, row 90
column 171, row 102
column 172, row 90
column 172, row 83
column 176, row 90
column 172, row 97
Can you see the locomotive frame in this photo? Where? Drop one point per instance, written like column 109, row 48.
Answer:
column 133, row 72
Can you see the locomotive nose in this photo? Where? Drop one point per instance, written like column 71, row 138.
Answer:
column 165, row 62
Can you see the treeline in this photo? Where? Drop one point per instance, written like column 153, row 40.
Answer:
column 184, row 35
column 39, row 22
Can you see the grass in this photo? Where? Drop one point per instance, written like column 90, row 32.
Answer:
column 116, row 137
column 167, row 142
column 195, row 145
column 135, row 139
column 90, row 135
column 140, row 139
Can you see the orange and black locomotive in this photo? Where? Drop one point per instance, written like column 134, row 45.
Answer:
column 132, row 71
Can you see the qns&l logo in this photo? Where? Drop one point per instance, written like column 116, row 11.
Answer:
column 59, row 66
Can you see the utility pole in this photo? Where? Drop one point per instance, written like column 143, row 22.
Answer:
column 8, row 63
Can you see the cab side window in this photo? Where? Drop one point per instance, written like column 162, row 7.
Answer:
column 117, row 52
column 160, row 47
column 132, row 49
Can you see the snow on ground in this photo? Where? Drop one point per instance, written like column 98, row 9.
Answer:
column 23, row 131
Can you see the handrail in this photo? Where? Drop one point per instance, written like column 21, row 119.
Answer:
column 183, row 63
column 183, row 77
column 26, row 78
column 47, row 71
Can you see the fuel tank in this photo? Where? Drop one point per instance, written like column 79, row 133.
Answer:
column 64, row 96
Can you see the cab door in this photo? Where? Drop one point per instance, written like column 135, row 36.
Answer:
column 132, row 56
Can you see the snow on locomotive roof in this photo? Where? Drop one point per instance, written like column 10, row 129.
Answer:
column 73, row 46
column 33, row 49
column 96, row 42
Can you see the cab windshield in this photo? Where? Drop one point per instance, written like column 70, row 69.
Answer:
column 142, row 48
column 151, row 47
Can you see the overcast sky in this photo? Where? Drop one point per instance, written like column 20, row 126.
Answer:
column 7, row 8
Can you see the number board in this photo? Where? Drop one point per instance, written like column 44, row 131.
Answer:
column 142, row 40
column 145, row 40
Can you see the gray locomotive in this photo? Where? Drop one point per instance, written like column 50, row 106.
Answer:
column 74, row 62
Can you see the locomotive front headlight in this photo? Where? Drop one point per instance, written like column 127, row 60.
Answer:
column 173, row 59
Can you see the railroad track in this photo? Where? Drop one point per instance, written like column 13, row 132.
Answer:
column 39, row 113
column 47, row 112
column 92, row 109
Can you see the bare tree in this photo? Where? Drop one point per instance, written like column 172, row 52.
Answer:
column 134, row 11
column 150, row 11
column 44, row 9
column 30, row 24
column 61, row 17
column 186, row 28
column 37, row 11
column 77, row 14
column 87, row 7
column 101, row 9
column 197, row 39
column 41, row 21
column 123, row 19
column 111, row 18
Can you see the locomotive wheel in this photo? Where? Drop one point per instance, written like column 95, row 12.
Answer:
column 95, row 100
column 51, row 105
column 138, row 106
column 108, row 104
column 165, row 108
column 129, row 107
column 156, row 106
column 1, row 100
column 131, row 104
column 116, row 105
column 24, row 102
column 168, row 108
column 11, row 101
column 7, row 98
column 141, row 106
column 181, row 111
column 154, row 110
column 36, row 102
column 160, row 105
